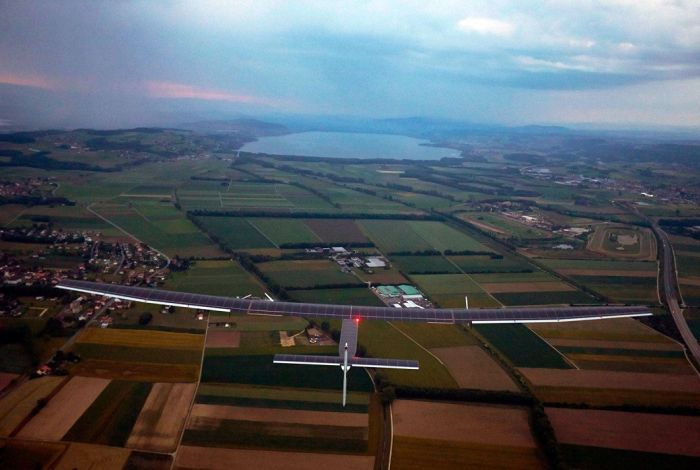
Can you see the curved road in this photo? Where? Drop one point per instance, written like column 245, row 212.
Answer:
column 670, row 283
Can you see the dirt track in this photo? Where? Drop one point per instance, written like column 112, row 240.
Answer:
column 668, row 434
column 162, row 417
column 647, row 243
column 471, row 367
column 63, row 410
column 210, row 458
column 496, row 425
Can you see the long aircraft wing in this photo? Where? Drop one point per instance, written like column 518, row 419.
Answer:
column 436, row 315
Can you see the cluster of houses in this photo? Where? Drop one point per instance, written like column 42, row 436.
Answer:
column 35, row 186
column 42, row 234
column 14, row 273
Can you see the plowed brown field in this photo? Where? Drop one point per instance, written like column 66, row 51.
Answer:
column 17, row 405
column 64, row 409
column 471, row 367
column 223, row 339
column 280, row 415
column 210, row 458
column 162, row 417
column 87, row 456
column 547, row 286
column 644, row 432
column 481, row 424
column 140, row 372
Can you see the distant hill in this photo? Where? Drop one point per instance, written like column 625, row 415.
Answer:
column 243, row 127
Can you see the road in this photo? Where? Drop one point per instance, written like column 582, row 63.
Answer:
column 670, row 283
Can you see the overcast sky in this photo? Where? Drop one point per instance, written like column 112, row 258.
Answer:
column 119, row 63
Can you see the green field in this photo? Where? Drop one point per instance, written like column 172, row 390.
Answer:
column 443, row 237
column 280, row 397
column 688, row 264
column 411, row 235
column 521, row 346
column 449, row 290
column 544, row 298
column 281, row 231
column 600, row 264
column 235, row 195
column 160, row 225
column 234, row 233
column 535, row 276
column 384, row 340
column 306, row 274
column 436, row 336
column 447, row 284
column 108, row 421
column 226, row 278
column 350, row 296
column 260, row 370
column 424, row 264
column 338, row 231
column 622, row 288
column 486, row 264
column 394, row 235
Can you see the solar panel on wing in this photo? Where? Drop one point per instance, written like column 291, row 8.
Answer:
column 342, row 311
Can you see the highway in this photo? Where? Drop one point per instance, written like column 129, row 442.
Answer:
column 670, row 284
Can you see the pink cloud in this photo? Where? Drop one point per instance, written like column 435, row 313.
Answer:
column 159, row 89
column 33, row 81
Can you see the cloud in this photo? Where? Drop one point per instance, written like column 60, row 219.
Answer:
column 482, row 25
column 32, row 81
column 373, row 57
column 172, row 90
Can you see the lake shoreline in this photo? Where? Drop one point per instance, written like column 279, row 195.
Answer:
column 350, row 146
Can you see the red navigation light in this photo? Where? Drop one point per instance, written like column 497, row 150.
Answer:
column 357, row 319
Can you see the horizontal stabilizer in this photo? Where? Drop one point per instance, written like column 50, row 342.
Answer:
column 383, row 363
column 308, row 360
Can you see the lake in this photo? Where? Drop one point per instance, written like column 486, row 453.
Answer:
column 349, row 145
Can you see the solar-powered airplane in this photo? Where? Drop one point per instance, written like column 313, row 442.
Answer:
column 351, row 315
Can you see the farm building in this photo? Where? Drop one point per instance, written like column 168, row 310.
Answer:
column 389, row 291
column 375, row 262
column 410, row 292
